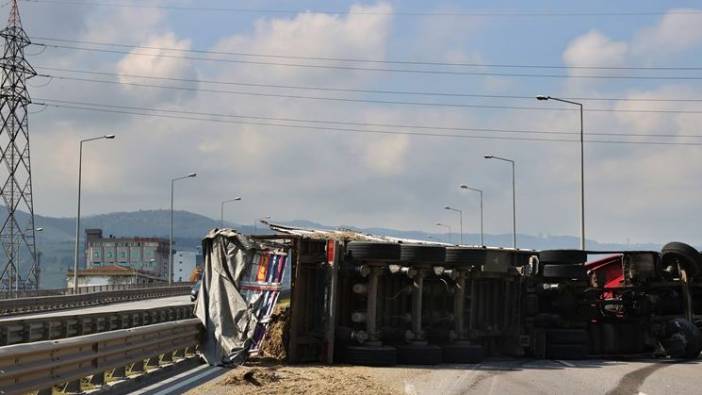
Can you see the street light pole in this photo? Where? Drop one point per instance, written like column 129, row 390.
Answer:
column 514, row 197
column 170, row 240
column 460, row 216
column 582, row 165
column 482, row 231
column 221, row 210
column 77, row 247
column 448, row 228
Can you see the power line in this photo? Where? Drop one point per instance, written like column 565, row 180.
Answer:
column 378, row 69
column 356, row 60
column 373, row 101
column 472, row 13
column 351, row 90
column 192, row 115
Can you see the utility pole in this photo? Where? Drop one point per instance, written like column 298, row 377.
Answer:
column 16, row 177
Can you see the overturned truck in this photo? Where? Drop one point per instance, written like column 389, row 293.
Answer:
column 362, row 299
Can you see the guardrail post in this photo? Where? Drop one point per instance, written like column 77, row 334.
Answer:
column 98, row 379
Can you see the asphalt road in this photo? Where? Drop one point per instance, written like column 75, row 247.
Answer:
column 508, row 377
column 134, row 305
column 547, row 377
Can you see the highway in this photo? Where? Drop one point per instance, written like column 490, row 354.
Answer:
column 133, row 305
column 548, row 377
column 510, row 377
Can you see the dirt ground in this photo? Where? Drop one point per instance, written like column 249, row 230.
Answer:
column 269, row 377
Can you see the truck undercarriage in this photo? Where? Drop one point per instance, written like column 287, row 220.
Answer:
column 380, row 302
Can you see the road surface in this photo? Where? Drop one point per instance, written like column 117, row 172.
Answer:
column 133, row 305
column 517, row 376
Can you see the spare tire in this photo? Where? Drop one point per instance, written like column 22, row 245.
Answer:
column 680, row 253
column 466, row 256
column 570, row 272
column 373, row 251
column 562, row 256
column 419, row 253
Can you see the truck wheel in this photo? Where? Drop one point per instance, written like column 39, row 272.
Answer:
column 567, row 336
column 414, row 354
column 369, row 355
column 683, row 340
column 465, row 256
column 688, row 257
column 571, row 271
column 418, row 253
column 566, row 351
column 373, row 251
column 562, row 256
column 462, row 353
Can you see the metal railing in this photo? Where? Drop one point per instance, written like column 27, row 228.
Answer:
column 50, row 303
column 32, row 293
column 42, row 365
column 16, row 331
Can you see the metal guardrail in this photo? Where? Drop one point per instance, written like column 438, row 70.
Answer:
column 41, row 365
column 32, row 293
column 50, row 303
column 16, row 331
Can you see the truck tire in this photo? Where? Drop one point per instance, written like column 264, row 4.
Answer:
column 683, row 339
column 373, row 251
column 688, row 257
column 570, row 272
column 465, row 256
column 417, row 253
column 414, row 354
column 566, row 351
column 567, row 336
column 558, row 257
column 462, row 353
column 369, row 355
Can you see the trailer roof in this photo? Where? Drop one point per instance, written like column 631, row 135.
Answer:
column 349, row 234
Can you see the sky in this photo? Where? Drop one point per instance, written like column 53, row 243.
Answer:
column 633, row 192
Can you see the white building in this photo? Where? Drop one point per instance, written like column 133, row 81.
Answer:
column 184, row 263
column 111, row 275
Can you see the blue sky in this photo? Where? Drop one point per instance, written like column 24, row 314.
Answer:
column 637, row 192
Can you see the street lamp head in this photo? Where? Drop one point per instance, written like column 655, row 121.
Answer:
column 191, row 175
column 463, row 186
column 110, row 136
column 542, row 97
column 447, row 208
column 238, row 198
column 39, row 229
column 488, row 156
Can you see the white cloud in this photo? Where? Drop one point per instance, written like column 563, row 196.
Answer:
column 595, row 49
column 676, row 32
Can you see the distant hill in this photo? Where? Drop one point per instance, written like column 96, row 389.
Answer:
column 56, row 241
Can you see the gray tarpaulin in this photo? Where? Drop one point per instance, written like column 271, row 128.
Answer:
column 229, row 321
